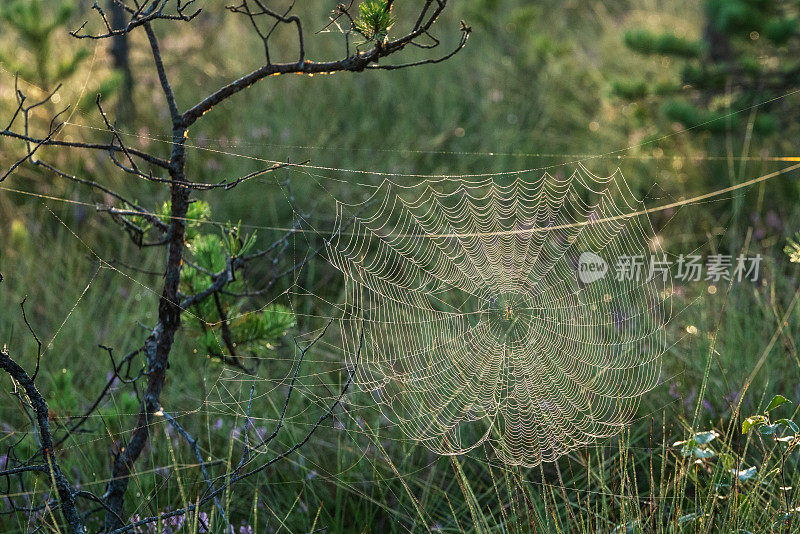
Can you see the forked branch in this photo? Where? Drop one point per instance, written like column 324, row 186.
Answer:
column 66, row 493
column 170, row 173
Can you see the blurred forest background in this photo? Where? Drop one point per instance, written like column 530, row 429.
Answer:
column 684, row 97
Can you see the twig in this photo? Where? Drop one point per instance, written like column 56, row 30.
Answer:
column 65, row 491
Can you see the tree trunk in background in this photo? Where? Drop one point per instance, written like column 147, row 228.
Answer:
column 121, row 56
column 719, row 47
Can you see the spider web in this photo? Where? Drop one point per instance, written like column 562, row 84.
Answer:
column 477, row 328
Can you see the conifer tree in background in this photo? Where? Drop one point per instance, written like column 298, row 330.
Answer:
column 36, row 56
column 732, row 89
column 35, row 22
column 748, row 54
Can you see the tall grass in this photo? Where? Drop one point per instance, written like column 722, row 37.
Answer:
column 528, row 89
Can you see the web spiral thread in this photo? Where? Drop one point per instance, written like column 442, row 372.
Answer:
column 477, row 327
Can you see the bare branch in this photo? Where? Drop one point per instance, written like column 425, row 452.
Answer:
column 29, row 155
column 139, row 17
column 162, row 74
column 66, row 493
column 465, row 32
column 303, row 352
column 35, row 338
column 353, row 63
column 172, row 303
column 233, row 479
column 49, row 141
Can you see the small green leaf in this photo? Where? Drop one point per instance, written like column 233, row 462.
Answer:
column 788, row 424
column 687, row 447
column 776, row 401
column 744, row 474
column 704, row 453
column 768, row 430
column 703, row 438
column 755, row 420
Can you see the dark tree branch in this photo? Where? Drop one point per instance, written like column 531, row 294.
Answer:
column 66, row 493
column 227, row 338
column 244, row 9
column 240, row 476
column 24, row 469
column 162, row 78
column 144, row 15
column 237, row 477
column 225, row 184
column 220, row 280
column 159, row 344
column 94, row 498
column 137, row 210
column 465, row 31
column 266, row 440
column 49, row 141
column 139, row 17
column 20, row 104
column 29, row 155
column 353, row 63
column 35, row 338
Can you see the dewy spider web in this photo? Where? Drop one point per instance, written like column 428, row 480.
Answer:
column 478, row 328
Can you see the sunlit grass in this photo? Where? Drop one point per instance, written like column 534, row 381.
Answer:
column 531, row 96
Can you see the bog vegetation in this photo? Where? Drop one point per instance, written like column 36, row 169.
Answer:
column 181, row 201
